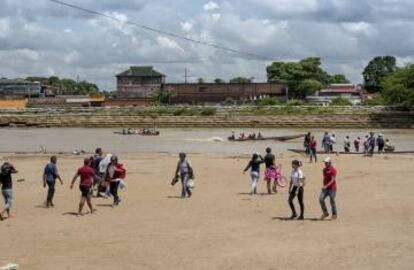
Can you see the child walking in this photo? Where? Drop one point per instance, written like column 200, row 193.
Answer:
column 296, row 185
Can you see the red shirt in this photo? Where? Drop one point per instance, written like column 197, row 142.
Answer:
column 328, row 174
column 120, row 172
column 86, row 174
column 312, row 144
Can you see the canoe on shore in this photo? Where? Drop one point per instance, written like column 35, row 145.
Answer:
column 276, row 138
column 302, row 151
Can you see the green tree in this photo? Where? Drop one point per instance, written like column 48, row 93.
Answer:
column 338, row 78
column 219, row 81
column 308, row 87
column 242, row 80
column 340, row 101
column 398, row 87
column 200, row 80
column 54, row 81
column 376, row 70
column 294, row 73
column 163, row 97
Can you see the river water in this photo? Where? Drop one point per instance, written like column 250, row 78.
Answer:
column 211, row 141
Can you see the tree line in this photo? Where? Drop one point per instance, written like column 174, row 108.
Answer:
column 388, row 84
column 68, row 86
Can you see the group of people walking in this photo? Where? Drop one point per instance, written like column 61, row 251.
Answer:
column 296, row 184
column 368, row 146
column 103, row 175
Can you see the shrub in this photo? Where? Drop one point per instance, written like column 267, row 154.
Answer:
column 295, row 102
column 208, row 111
column 339, row 101
column 376, row 100
column 269, row 101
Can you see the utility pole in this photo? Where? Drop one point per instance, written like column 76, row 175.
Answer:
column 186, row 76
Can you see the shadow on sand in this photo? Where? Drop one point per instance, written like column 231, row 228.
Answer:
column 305, row 219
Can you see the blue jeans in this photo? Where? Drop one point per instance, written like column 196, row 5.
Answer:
column 185, row 189
column 8, row 198
column 331, row 194
column 50, row 191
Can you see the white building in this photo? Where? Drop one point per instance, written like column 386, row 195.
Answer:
column 347, row 91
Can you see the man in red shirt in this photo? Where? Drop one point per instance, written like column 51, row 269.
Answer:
column 328, row 189
column 86, row 174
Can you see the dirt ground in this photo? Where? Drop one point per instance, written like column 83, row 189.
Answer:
column 221, row 226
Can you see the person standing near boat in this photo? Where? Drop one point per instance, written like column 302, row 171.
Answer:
column 306, row 143
column 6, row 181
column 328, row 189
column 312, row 149
column 185, row 173
column 371, row 143
column 296, row 188
column 347, row 144
column 326, row 142
column 357, row 143
column 270, row 173
column 332, row 140
column 254, row 166
column 50, row 174
column 380, row 143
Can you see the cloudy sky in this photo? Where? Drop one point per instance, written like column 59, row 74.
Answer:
column 39, row 37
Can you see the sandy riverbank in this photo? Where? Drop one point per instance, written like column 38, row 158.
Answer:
column 220, row 227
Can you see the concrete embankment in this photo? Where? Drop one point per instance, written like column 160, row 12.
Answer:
column 223, row 118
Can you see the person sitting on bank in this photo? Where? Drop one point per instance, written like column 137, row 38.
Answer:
column 388, row 146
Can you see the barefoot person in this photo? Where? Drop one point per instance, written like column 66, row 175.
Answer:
column 270, row 173
column 6, row 181
column 185, row 172
column 328, row 189
column 296, row 185
column 254, row 166
column 116, row 174
column 312, row 149
column 86, row 174
column 50, row 174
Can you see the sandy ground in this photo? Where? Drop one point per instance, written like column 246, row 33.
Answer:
column 221, row 227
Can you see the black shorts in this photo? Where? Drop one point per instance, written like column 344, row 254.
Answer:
column 85, row 191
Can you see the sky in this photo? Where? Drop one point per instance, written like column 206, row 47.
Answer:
column 42, row 38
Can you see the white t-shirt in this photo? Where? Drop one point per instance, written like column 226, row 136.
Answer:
column 184, row 166
column 297, row 178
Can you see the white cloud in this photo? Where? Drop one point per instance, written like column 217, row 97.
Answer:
column 29, row 54
column 67, row 31
column 211, row 6
column 169, row 43
column 71, row 57
column 4, row 27
column 346, row 34
column 186, row 26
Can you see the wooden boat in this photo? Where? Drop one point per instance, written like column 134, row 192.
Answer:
column 155, row 133
column 302, row 151
column 275, row 138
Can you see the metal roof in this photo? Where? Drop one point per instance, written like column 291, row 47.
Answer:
column 141, row 71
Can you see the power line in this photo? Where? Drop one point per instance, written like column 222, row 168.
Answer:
column 166, row 33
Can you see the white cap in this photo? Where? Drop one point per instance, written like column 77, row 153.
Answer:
column 327, row 160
